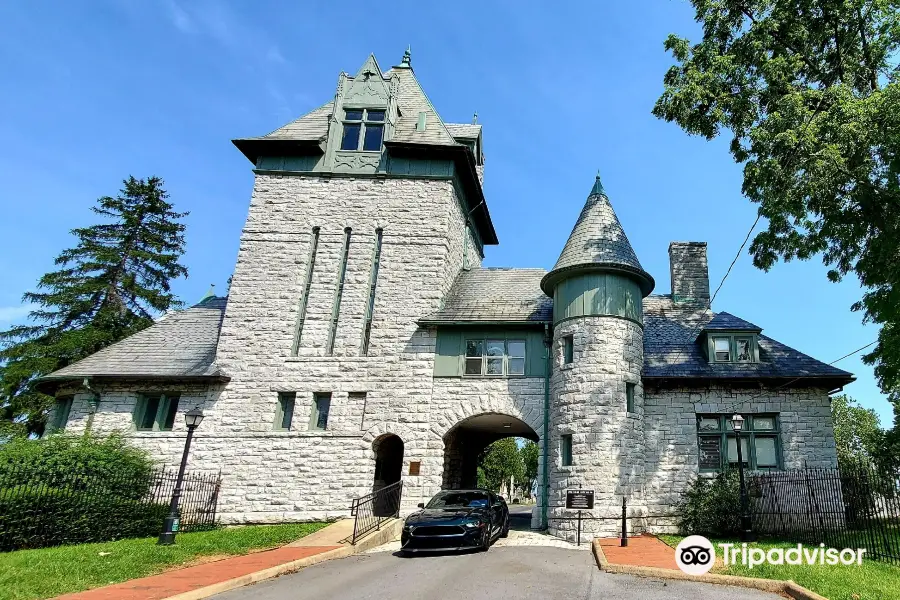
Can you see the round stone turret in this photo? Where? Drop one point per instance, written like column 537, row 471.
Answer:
column 596, row 412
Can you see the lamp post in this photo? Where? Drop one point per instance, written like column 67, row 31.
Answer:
column 192, row 419
column 737, row 424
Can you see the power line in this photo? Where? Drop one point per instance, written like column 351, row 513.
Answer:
column 730, row 407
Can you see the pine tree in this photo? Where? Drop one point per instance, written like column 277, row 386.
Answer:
column 109, row 286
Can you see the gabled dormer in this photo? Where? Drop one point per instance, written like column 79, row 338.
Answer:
column 364, row 116
column 729, row 339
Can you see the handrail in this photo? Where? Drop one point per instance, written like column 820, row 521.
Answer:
column 370, row 510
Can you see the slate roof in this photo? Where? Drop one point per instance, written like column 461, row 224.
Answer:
column 495, row 294
column 311, row 126
column 671, row 349
column 180, row 345
column 597, row 240
column 464, row 131
column 411, row 100
column 727, row 321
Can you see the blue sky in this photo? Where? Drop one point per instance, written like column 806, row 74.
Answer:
column 96, row 91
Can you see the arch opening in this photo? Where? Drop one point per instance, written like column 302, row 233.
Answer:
column 465, row 442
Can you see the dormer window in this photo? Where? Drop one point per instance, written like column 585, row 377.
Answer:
column 733, row 348
column 363, row 129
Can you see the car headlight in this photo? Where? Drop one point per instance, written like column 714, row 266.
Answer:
column 471, row 525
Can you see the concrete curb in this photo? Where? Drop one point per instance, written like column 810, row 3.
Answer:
column 775, row 586
column 382, row 536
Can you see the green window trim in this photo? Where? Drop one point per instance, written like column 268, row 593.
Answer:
column 373, row 285
column 629, row 396
column 61, row 410
column 284, row 410
column 568, row 349
column 450, row 350
column 732, row 347
column 761, row 442
column 338, row 293
column 321, row 407
column 366, row 125
column 155, row 412
column 494, row 357
column 307, row 286
column 565, row 450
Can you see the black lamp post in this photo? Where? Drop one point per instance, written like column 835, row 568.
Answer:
column 737, row 424
column 192, row 419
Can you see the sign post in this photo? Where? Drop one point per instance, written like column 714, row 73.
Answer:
column 579, row 500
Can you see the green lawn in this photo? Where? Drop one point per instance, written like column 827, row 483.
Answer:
column 873, row 580
column 49, row 572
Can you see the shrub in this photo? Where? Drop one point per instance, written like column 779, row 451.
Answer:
column 35, row 517
column 712, row 507
column 60, row 460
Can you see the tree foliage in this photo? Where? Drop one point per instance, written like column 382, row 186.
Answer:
column 530, row 455
column 109, row 286
column 857, row 431
column 809, row 92
column 498, row 462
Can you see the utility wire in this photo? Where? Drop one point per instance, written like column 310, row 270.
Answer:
column 730, row 407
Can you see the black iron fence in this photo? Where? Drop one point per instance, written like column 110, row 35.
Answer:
column 371, row 510
column 851, row 507
column 65, row 507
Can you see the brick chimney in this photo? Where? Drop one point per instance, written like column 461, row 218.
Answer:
column 689, row 271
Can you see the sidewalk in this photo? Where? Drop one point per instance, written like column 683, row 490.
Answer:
column 641, row 551
column 201, row 581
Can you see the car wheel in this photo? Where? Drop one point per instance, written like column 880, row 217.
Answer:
column 486, row 540
column 505, row 531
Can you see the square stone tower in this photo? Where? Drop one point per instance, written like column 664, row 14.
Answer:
column 363, row 213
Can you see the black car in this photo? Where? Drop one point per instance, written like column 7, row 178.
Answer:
column 456, row 520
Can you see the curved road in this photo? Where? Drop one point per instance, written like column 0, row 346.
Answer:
column 544, row 573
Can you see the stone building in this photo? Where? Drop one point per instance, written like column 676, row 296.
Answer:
column 363, row 343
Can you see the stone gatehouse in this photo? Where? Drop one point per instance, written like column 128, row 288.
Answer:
column 363, row 343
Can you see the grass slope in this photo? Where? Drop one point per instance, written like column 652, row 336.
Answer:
column 49, row 572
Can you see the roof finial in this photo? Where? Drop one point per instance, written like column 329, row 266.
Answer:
column 406, row 63
column 598, row 187
column 475, row 118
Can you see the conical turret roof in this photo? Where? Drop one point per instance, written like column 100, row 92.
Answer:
column 597, row 243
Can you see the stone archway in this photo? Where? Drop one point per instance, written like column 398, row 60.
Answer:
column 388, row 449
column 465, row 441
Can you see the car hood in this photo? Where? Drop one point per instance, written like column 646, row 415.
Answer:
column 444, row 516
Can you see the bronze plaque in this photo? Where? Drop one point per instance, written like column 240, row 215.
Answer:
column 414, row 467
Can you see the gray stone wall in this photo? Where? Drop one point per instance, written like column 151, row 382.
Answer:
column 807, row 436
column 689, row 271
column 588, row 402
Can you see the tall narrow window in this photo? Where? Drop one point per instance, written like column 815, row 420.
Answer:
column 320, row 409
column 342, row 276
column 373, row 283
column 61, row 412
column 304, row 298
column 568, row 349
column 565, row 450
column 284, row 413
column 629, row 396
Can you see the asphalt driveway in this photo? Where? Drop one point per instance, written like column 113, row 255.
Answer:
column 544, row 573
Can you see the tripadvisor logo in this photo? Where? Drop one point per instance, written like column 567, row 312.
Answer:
column 695, row 555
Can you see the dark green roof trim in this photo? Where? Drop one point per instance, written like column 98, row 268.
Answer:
column 506, row 324
column 644, row 279
column 253, row 148
column 468, row 175
column 598, row 187
column 50, row 383
column 629, row 319
column 829, row 382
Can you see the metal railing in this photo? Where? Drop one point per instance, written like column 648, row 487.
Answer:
column 373, row 509
column 53, row 506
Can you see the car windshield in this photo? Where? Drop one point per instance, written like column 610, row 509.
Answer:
column 459, row 499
